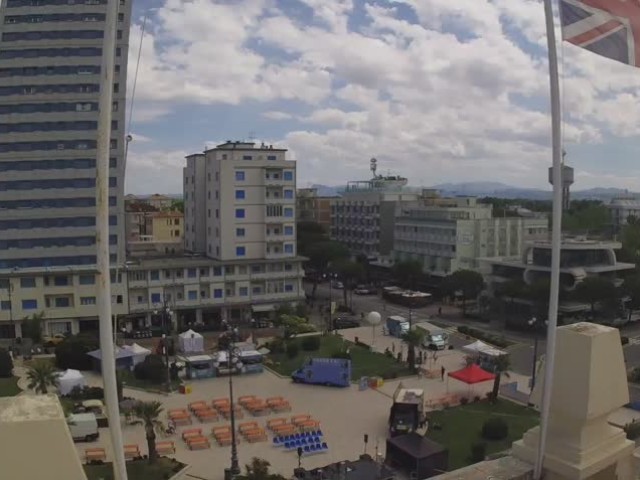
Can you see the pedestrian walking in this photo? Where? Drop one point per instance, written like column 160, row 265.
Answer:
column 442, row 372
column 393, row 347
column 439, row 311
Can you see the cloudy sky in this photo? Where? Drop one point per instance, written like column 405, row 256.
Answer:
column 436, row 90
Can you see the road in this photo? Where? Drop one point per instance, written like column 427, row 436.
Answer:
column 521, row 353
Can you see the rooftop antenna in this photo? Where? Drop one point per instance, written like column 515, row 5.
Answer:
column 373, row 165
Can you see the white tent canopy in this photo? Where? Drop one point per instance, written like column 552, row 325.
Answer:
column 68, row 380
column 479, row 347
column 139, row 352
column 191, row 342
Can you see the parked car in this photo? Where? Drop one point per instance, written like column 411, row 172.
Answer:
column 364, row 290
column 53, row 340
column 337, row 284
column 345, row 321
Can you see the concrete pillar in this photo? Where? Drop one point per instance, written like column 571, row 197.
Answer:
column 198, row 316
column 147, row 319
column 589, row 384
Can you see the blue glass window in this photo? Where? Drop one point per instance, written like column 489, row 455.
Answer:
column 49, row 242
column 288, row 248
column 217, row 293
column 5, row 305
column 52, row 183
column 27, row 282
column 256, row 290
column 288, row 212
column 57, row 164
column 240, row 251
column 62, row 302
column 192, row 295
column 87, row 280
column 288, row 230
column 288, row 287
column 217, row 271
column 63, row 222
column 192, row 273
column 56, row 17
column 288, row 194
column 47, row 127
column 51, row 52
column 247, row 157
column 155, row 298
column 32, row 3
column 53, row 35
column 29, row 304
column 288, row 267
column 244, row 291
column 52, row 70
column 49, row 107
column 271, row 157
column 48, row 145
column 240, row 232
column 52, row 261
column 60, row 281
column 240, row 195
column 48, row 89
column 53, row 203
column 154, row 275
column 87, row 300
column 288, row 175
column 239, row 211
column 239, row 176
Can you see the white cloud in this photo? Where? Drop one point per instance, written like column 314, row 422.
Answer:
column 154, row 171
column 427, row 103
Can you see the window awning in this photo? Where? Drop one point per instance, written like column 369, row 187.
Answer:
column 263, row 308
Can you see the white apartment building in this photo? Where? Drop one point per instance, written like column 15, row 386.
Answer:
column 449, row 234
column 195, row 208
column 50, row 62
column 363, row 218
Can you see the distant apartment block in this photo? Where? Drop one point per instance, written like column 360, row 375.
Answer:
column 449, row 234
column 154, row 233
column 155, row 201
column 195, row 208
column 50, row 62
column 363, row 218
column 314, row 208
column 621, row 209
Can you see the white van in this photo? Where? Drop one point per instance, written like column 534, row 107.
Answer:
column 83, row 426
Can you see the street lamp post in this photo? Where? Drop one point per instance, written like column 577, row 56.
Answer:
column 233, row 362
column 534, row 323
column 166, row 322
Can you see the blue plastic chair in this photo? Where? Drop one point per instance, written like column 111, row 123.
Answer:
column 319, row 433
column 276, row 441
column 287, row 444
column 307, row 449
column 298, row 443
column 325, row 446
column 303, row 441
column 312, row 448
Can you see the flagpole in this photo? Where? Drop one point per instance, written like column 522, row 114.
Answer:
column 107, row 347
column 556, row 235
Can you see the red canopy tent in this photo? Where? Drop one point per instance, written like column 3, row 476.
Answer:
column 472, row 374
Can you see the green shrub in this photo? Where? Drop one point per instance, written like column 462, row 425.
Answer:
column 464, row 401
column 632, row 430
column 152, row 369
column 6, row 364
column 311, row 344
column 495, row 428
column 478, row 452
column 72, row 352
column 463, row 329
column 292, row 349
column 79, row 393
column 277, row 345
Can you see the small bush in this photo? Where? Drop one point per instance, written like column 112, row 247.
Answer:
column 79, row 394
column 478, row 452
column 72, row 352
column 152, row 369
column 624, row 340
column 311, row 344
column 495, row 428
column 292, row 349
column 476, row 399
column 463, row 329
column 464, row 401
column 6, row 364
column 276, row 346
column 632, row 430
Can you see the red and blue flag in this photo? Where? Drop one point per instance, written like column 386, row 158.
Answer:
column 610, row 28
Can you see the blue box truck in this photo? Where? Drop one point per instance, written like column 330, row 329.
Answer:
column 397, row 326
column 334, row 372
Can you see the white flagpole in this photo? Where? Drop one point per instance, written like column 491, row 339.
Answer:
column 107, row 347
column 556, row 235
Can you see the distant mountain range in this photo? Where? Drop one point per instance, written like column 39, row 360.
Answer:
column 499, row 190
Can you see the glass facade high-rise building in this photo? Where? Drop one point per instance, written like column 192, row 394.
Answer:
column 50, row 62
column 50, row 58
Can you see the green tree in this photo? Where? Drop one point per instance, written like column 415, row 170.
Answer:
column 6, row 364
column 631, row 287
column 586, row 216
column 177, row 206
column 468, row 283
column 363, row 260
column 42, row 375
column 594, row 290
column 32, row 327
column 149, row 414
column 630, row 238
column 538, row 294
column 321, row 255
column 501, row 367
column 408, row 273
column 308, row 234
column 413, row 339
column 350, row 273
column 258, row 469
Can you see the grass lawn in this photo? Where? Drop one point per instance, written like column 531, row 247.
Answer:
column 363, row 361
column 9, row 387
column 139, row 470
column 461, row 427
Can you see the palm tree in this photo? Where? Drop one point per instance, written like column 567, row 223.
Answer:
column 149, row 413
column 413, row 339
column 41, row 376
column 258, row 469
column 501, row 367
